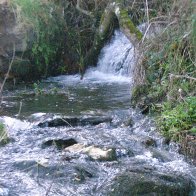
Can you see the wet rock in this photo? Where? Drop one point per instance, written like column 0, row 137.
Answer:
column 161, row 155
column 25, row 164
column 149, row 183
column 95, row 120
column 128, row 122
column 74, row 121
column 76, row 148
column 82, row 174
column 100, row 154
column 59, row 143
column 148, row 141
column 94, row 152
column 145, row 109
column 42, row 168
column 57, row 122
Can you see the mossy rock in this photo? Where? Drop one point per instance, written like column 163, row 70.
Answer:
column 138, row 182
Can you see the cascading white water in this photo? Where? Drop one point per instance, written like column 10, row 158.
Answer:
column 115, row 64
column 116, row 60
column 117, row 57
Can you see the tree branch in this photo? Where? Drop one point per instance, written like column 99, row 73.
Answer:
column 180, row 76
column 88, row 13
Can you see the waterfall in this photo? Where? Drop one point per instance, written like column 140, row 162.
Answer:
column 115, row 63
column 116, row 59
column 117, row 56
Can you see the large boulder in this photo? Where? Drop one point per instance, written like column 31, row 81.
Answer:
column 145, row 181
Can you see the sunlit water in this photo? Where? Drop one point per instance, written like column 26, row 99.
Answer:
column 26, row 168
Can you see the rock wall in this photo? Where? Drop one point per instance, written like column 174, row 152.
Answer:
column 13, row 37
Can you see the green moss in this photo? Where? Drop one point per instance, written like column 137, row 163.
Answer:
column 127, row 23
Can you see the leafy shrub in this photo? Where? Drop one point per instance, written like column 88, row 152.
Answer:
column 169, row 64
column 46, row 22
column 182, row 117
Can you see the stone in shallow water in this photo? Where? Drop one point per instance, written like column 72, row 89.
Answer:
column 82, row 173
column 74, row 121
column 94, row 152
column 149, row 142
column 127, row 122
column 161, row 155
column 59, row 143
column 149, row 182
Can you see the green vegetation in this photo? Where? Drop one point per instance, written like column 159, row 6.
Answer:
column 63, row 36
column 168, row 91
column 46, row 25
column 37, row 89
column 181, row 117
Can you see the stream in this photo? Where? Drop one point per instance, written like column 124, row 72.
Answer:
column 77, row 137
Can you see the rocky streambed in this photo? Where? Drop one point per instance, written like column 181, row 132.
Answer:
column 85, row 139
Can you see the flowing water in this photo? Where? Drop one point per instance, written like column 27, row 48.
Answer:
column 94, row 112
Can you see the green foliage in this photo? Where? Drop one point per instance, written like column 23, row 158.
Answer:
column 47, row 26
column 40, row 89
column 182, row 117
column 170, row 75
column 37, row 89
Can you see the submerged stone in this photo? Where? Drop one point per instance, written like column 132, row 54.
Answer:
column 82, row 174
column 128, row 122
column 161, row 155
column 148, row 141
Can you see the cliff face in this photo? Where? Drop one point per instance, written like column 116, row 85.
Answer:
column 13, row 36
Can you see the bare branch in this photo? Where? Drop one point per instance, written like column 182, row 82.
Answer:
column 88, row 13
column 181, row 76
column 7, row 74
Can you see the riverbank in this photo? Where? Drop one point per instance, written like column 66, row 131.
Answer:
column 168, row 89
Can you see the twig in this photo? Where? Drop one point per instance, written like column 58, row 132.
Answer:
column 181, row 76
column 82, row 10
column 147, row 13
